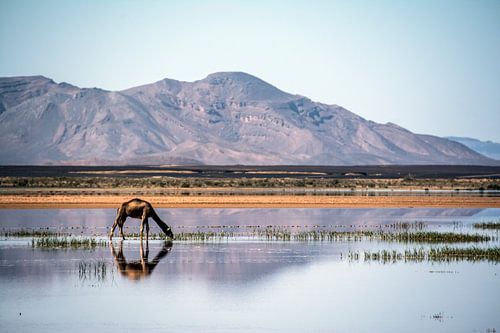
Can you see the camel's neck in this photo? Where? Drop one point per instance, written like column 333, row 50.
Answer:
column 163, row 226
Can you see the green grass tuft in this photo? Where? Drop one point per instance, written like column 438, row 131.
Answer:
column 67, row 243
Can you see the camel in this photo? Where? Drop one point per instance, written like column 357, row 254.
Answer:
column 138, row 269
column 139, row 209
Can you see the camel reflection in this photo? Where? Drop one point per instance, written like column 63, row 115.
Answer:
column 138, row 269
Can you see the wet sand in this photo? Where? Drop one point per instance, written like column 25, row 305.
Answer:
column 248, row 201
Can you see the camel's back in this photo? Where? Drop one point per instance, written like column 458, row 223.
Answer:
column 135, row 207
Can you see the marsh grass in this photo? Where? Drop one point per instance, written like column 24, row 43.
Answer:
column 201, row 236
column 272, row 233
column 444, row 254
column 31, row 233
column 404, row 237
column 417, row 225
column 152, row 236
column 434, row 237
column 487, row 225
column 333, row 236
column 68, row 242
column 402, row 234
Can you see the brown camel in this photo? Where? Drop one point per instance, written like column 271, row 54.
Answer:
column 138, row 209
column 138, row 269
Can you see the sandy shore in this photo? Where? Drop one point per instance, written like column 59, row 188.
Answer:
column 248, row 201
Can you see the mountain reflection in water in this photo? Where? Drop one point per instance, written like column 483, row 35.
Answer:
column 98, row 221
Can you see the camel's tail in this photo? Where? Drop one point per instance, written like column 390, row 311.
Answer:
column 163, row 226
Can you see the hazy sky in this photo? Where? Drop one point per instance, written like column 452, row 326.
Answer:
column 430, row 66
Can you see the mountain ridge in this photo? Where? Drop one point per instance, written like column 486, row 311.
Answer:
column 225, row 118
column 487, row 148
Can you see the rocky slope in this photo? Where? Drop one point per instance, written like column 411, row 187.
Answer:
column 226, row 118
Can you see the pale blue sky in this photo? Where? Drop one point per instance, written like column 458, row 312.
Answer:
column 430, row 66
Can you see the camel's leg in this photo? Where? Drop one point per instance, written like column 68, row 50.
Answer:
column 112, row 248
column 144, row 223
column 114, row 227
column 121, row 230
column 112, row 230
column 141, row 232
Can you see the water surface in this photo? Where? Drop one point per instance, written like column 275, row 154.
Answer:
column 242, row 285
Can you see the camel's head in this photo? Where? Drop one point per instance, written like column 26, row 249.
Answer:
column 169, row 233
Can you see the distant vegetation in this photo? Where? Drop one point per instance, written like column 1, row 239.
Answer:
column 163, row 182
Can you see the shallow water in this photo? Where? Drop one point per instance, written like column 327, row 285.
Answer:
column 242, row 285
column 98, row 221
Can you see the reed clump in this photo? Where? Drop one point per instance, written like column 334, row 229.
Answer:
column 332, row 236
column 152, row 236
column 275, row 234
column 406, row 237
column 68, row 243
column 201, row 236
column 433, row 237
column 443, row 254
column 271, row 233
column 468, row 254
column 487, row 225
column 417, row 225
column 386, row 256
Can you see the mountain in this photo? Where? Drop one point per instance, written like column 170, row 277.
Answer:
column 225, row 118
column 487, row 148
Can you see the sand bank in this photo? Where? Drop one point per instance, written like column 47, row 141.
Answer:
column 248, row 201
